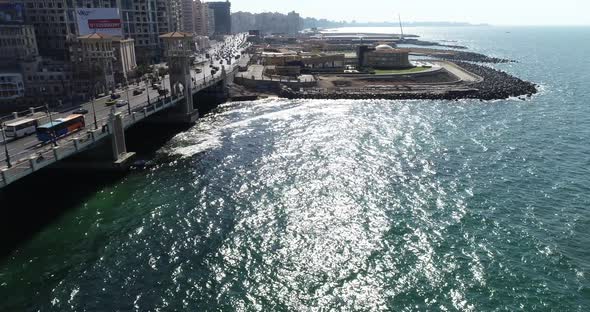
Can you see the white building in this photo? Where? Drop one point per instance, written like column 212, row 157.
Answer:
column 125, row 62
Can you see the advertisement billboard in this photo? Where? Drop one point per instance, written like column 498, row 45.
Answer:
column 100, row 20
column 11, row 13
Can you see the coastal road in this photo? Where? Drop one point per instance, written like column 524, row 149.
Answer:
column 461, row 73
column 25, row 147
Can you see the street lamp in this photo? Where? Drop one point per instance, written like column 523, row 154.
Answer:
column 5, row 147
column 53, row 138
column 128, row 102
column 147, row 90
column 92, row 72
column 94, row 113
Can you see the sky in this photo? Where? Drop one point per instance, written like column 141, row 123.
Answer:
column 495, row 12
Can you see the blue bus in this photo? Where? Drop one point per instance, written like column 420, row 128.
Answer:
column 60, row 128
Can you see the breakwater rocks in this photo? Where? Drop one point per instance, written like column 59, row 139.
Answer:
column 495, row 86
column 372, row 94
column 472, row 57
column 454, row 55
column 498, row 84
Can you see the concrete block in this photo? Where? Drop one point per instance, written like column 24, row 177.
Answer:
column 4, row 176
column 33, row 163
column 56, row 152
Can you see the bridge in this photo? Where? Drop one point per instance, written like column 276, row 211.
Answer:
column 28, row 155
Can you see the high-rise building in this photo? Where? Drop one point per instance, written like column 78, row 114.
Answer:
column 274, row 23
column 188, row 16
column 17, row 42
column 210, row 21
column 53, row 21
column 294, row 23
column 201, row 18
column 142, row 20
column 222, row 16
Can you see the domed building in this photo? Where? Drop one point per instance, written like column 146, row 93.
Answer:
column 383, row 47
column 384, row 56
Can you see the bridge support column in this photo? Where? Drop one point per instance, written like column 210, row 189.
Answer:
column 120, row 155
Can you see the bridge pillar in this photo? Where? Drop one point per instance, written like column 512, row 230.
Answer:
column 179, row 50
column 117, row 128
column 4, row 176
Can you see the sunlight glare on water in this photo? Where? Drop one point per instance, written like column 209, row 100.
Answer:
column 281, row 205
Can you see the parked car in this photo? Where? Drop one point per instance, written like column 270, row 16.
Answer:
column 137, row 91
column 163, row 92
column 111, row 102
column 121, row 103
column 156, row 86
column 80, row 111
column 115, row 96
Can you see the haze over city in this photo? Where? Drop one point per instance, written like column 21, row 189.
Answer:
column 498, row 12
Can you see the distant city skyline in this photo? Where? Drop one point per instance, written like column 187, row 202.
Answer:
column 498, row 12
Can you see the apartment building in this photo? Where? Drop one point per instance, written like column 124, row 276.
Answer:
column 17, row 42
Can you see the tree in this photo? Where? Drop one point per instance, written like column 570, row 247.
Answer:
column 162, row 72
column 142, row 69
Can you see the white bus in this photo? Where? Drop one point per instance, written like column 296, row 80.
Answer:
column 21, row 128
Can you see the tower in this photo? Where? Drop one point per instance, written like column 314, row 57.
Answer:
column 178, row 49
column 94, row 61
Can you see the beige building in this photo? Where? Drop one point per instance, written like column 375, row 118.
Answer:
column 385, row 57
column 17, row 42
column 93, row 62
column 323, row 61
column 188, row 16
column 201, row 18
column 306, row 60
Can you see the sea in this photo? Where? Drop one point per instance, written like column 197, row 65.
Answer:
column 332, row 205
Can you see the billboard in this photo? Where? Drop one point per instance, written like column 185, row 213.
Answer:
column 11, row 13
column 100, row 20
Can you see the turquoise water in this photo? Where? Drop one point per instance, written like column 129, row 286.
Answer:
column 281, row 205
